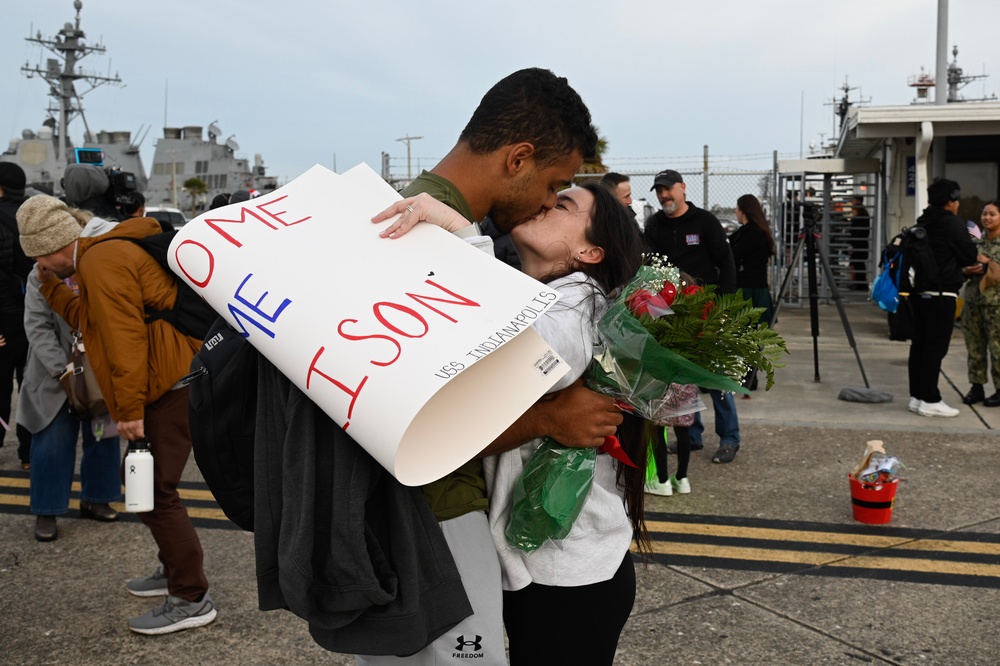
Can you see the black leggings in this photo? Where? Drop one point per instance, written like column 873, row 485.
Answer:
column 569, row 625
column 683, row 436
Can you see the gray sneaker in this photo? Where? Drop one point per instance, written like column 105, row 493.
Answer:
column 175, row 614
column 154, row 585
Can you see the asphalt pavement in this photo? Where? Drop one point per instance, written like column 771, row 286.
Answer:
column 762, row 563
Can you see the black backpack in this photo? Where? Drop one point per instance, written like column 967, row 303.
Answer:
column 191, row 314
column 911, row 261
column 222, row 412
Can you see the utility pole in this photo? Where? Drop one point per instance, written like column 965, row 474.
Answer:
column 407, row 140
column 940, row 87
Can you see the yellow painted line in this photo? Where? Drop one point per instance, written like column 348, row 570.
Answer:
column 214, row 514
column 954, row 546
column 873, row 541
column 186, row 493
column 828, row 559
column 17, row 500
column 776, row 534
column 924, row 566
column 194, row 512
column 741, row 553
column 191, row 493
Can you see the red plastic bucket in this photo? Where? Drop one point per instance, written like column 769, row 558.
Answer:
column 872, row 502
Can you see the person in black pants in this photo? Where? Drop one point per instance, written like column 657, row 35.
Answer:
column 935, row 289
column 14, row 269
column 753, row 246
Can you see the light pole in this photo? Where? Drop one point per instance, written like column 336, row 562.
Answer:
column 407, row 139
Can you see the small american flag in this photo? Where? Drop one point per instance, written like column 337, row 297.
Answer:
column 974, row 230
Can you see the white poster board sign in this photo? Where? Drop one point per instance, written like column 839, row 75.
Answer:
column 419, row 347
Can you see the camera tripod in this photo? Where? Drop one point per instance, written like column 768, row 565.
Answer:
column 808, row 238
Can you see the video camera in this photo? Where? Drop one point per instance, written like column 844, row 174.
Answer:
column 121, row 183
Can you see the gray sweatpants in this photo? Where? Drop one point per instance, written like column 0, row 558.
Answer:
column 479, row 636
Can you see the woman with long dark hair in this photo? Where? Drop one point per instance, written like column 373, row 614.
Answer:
column 753, row 247
column 585, row 248
column 981, row 314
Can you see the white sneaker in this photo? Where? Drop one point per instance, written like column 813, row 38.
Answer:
column 682, row 486
column 914, row 405
column 936, row 409
column 654, row 487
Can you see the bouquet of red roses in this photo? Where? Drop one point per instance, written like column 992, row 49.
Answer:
column 658, row 331
column 662, row 330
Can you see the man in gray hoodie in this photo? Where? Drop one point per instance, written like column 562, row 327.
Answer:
column 86, row 186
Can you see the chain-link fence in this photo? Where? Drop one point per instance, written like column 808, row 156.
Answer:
column 853, row 261
column 715, row 191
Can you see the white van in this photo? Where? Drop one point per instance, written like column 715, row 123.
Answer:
column 173, row 216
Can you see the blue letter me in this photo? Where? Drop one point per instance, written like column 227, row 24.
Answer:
column 254, row 307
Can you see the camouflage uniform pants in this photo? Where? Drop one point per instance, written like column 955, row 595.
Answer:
column 981, row 327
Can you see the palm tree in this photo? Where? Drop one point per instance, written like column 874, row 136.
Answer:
column 195, row 187
column 596, row 163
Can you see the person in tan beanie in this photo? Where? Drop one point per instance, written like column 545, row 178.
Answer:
column 138, row 366
column 54, row 428
column 47, row 227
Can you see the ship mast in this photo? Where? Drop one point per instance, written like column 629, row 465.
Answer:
column 69, row 47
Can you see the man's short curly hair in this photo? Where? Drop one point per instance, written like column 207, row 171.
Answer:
column 536, row 106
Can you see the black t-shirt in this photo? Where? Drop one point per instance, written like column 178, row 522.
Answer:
column 694, row 242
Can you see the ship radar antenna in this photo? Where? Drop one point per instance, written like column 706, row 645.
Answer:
column 957, row 79
column 69, row 47
column 843, row 104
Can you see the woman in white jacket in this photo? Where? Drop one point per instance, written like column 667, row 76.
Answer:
column 567, row 601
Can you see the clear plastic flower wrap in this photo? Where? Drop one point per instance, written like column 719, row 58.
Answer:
column 549, row 494
column 631, row 366
column 653, row 337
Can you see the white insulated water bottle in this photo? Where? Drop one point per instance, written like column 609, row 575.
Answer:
column 138, row 477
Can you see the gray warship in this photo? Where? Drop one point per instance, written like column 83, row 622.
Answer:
column 183, row 153
column 45, row 153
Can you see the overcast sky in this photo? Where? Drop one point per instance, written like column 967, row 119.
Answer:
column 337, row 83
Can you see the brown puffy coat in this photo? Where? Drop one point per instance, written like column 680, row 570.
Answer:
column 135, row 363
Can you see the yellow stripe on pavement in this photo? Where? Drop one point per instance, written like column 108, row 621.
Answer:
column 742, row 553
column 185, row 493
column 954, row 546
column 776, row 534
column 17, row 500
column 193, row 511
column 924, row 566
column 949, row 567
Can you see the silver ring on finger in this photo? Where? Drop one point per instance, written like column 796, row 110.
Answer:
column 409, row 208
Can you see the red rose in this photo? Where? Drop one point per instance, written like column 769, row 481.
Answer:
column 638, row 300
column 668, row 293
column 643, row 302
column 691, row 289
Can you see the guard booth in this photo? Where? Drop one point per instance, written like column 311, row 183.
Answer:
column 915, row 143
column 840, row 202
